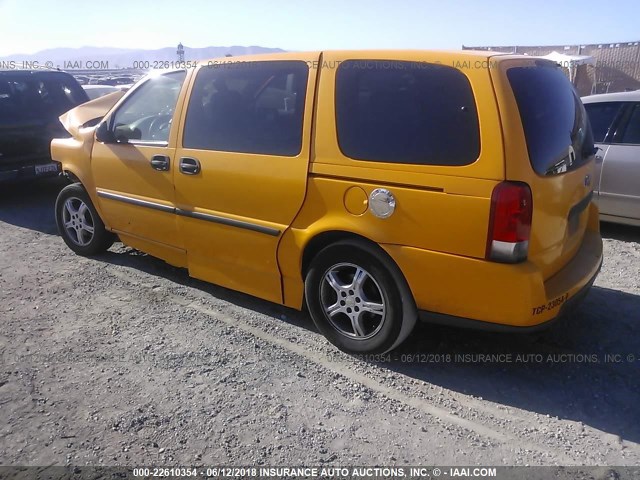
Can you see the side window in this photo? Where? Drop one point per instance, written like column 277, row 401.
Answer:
column 632, row 131
column 254, row 107
column 147, row 114
column 406, row 112
column 601, row 116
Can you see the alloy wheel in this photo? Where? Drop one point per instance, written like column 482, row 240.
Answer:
column 352, row 301
column 78, row 221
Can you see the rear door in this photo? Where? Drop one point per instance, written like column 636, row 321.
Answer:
column 620, row 180
column 604, row 118
column 549, row 146
column 242, row 168
column 24, row 139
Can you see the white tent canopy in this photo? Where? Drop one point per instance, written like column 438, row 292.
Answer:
column 568, row 61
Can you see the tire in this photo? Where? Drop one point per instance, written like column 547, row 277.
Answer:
column 79, row 224
column 359, row 299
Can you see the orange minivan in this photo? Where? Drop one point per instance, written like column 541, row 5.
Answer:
column 376, row 187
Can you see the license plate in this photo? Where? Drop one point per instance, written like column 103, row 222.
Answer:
column 47, row 168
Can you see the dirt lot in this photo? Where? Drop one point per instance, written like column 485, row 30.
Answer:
column 122, row 359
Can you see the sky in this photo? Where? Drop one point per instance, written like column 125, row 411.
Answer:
column 28, row 26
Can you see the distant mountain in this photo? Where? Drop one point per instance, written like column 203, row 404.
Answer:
column 112, row 58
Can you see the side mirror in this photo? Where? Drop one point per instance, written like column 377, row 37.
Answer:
column 104, row 135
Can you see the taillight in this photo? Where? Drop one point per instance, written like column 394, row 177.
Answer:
column 510, row 222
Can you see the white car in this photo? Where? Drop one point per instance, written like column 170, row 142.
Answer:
column 615, row 120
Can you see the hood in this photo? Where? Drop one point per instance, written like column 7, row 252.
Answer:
column 89, row 113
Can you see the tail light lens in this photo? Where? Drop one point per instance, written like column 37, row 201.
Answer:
column 510, row 222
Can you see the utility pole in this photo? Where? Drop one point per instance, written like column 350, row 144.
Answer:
column 180, row 53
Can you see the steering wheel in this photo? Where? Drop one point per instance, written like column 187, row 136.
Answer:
column 159, row 127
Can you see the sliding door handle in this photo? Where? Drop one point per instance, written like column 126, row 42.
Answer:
column 189, row 166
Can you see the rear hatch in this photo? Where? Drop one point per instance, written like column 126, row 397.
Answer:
column 30, row 104
column 26, row 142
column 549, row 146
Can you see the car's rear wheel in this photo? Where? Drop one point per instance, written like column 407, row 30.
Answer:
column 358, row 299
column 79, row 224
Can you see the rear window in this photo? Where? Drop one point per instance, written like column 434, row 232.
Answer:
column 555, row 123
column 37, row 97
column 406, row 112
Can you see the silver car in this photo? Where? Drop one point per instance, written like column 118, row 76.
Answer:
column 615, row 120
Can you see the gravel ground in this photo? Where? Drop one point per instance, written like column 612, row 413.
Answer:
column 124, row 360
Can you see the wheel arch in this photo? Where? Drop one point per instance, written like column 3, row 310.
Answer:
column 336, row 237
column 73, row 178
column 324, row 239
column 75, row 175
column 100, row 239
column 298, row 249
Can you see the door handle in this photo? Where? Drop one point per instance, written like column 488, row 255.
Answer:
column 160, row 163
column 189, row 166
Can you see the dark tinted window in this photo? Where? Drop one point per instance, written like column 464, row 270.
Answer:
column 254, row 107
column 406, row 112
column 28, row 97
column 632, row 131
column 555, row 123
column 601, row 116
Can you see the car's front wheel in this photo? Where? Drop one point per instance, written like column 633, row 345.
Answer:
column 79, row 224
column 358, row 298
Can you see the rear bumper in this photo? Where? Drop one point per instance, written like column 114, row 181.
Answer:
column 453, row 321
column 475, row 293
column 17, row 173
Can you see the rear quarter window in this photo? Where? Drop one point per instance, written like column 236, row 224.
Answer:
column 406, row 112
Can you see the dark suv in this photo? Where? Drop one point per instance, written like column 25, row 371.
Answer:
column 30, row 104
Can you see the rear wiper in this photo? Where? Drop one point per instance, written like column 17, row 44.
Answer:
column 556, row 168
